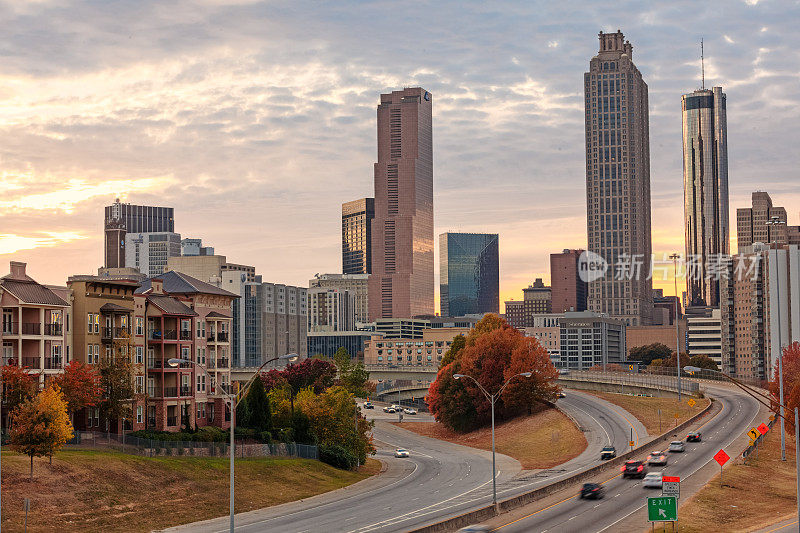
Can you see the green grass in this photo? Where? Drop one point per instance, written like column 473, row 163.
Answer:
column 109, row 491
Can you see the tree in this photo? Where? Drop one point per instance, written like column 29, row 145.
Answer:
column 116, row 371
column 41, row 425
column 19, row 386
column 458, row 344
column 791, row 383
column 670, row 361
column 702, row 361
column 646, row 354
column 260, row 415
column 352, row 376
column 493, row 353
column 80, row 385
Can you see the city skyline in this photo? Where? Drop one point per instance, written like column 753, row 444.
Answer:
column 73, row 146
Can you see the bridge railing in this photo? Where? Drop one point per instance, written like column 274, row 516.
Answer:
column 655, row 381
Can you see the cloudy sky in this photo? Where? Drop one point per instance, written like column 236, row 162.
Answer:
column 255, row 120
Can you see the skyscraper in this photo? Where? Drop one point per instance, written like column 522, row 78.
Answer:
column 618, row 181
column 128, row 218
column 705, row 189
column 752, row 227
column 401, row 282
column 356, row 236
column 469, row 273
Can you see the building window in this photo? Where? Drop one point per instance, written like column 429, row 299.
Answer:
column 139, row 325
column 139, row 355
column 139, row 414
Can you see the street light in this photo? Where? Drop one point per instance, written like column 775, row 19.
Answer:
column 674, row 258
column 234, row 400
column 774, row 222
column 492, row 398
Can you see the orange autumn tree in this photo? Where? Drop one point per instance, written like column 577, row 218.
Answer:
column 493, row 353
column 19, row 385
column 80, row 385
column 791, row 383
column 41, row 425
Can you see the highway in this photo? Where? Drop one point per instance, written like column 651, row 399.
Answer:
column 624, row 497
column 439, row 480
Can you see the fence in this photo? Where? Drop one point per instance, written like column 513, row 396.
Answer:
column 157, row 448
column 629, row 379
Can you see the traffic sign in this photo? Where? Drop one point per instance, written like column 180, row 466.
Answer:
column 662, row 509
column 691, row 402
column 721, row 457
column 753, row 433
column 671, row 486
column 771, row 417
column 677, row 415
column 763, row 428
column 631, row 443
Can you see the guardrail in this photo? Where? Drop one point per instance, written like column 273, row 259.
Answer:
column 651, row 381
column 489, row 511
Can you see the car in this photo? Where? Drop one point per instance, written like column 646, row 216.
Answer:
column 634, row 469
column 562, row 395
column 592, row 491
column 653, row 480
column 401, row 452
column 563, row 371
column 368, row 405
column 677, row 446
column 410, row 411
column 694, row 436
column 608, row 452
column 475, row 529
column 397, row 408
column 657, row 458
column 388, row 409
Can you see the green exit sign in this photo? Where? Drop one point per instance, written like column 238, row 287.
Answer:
column 662, row 509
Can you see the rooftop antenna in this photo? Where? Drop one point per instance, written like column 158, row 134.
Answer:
column 702, row 66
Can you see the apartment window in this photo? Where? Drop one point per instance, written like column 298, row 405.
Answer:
column 198, row 329
column 139, row 414
column 139, row 354
column 186, row 353
column 139, row 325
column 139, row 384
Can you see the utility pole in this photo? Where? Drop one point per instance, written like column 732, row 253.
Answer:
column 674, row 258
column 773, row 224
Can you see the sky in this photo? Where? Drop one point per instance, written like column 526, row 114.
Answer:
column 256, row 120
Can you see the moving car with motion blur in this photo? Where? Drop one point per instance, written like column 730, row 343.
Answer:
column 657, row 458
column 653, row 480
column 401, row 452
column 592, row 491
column 388, row 409
column 694, row 436
column 634, row 469
column 410, row 411
column 368, row 405
column 677, row 446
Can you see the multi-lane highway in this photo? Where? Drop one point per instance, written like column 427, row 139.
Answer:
column 622, row 507
column 439, row 480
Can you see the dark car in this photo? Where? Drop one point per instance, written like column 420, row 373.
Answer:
column 368, row 405
column 694, row 436
column 608, row 452
column 634, row 469
column 592, row 491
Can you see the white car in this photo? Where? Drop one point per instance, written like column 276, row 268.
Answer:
column 401, row 452
column 653, row 480
column 657, row 458
column 388, row 409
column 677, row 446
column 410, row 411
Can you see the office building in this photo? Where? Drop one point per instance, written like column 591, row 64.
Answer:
column 782, row 289
column 150, row 252
column 34, row 316
column 547, row 330
column 208, row 268
column 618, row 180
column 665, row 309
column 195, row 247
column 426, row 350
column 469, row 273
column 705, row 189
column 246, row 318
column 330, row 310
column 177, row 316
column 590, row 340
column 536, row 300
column 327, row 343
column 103, row 312
column 355, row 284
column 637, row 336
column 123, row 218
column 284, row 320
column 704, row 333
column 357, row 236
column 401, row 282
column 751, row 224
column 569, row 291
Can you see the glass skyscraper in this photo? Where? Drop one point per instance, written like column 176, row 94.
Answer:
column 705, row 189
column 469, row 273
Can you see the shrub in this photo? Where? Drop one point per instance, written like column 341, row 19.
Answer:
column 338, row 457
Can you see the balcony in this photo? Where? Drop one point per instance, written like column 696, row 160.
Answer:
column 32, row 362
column 210, row 337
column 223, row 362
column 170, row 392
column 31, row 328
column 222, row 336
column 54, row 330
column 185, row 335
column 53, row 363
column 212, row 363
column 168, row 335
column 107, row 333
column 10, row 328
column 155, row 363
column 186, row 390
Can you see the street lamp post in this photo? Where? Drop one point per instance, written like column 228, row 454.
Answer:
column 674, row 258
column 492, row 398
column 774, row 222
column 234, row 400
